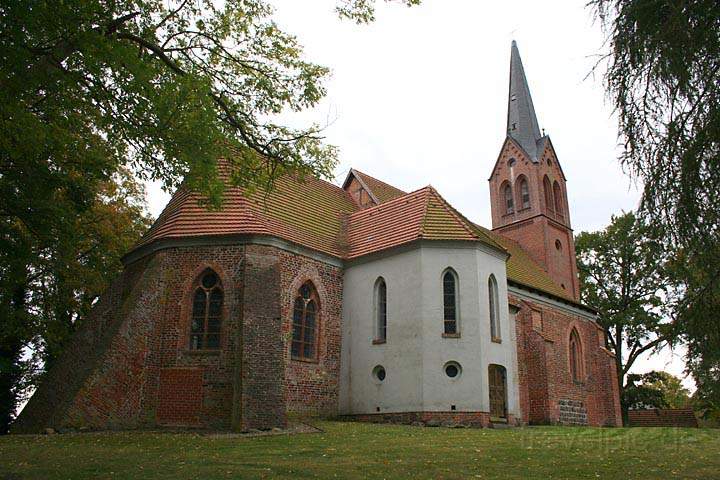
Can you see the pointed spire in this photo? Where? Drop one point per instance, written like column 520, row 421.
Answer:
column 522, row 124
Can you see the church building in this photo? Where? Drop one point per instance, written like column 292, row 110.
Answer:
column 361, row 301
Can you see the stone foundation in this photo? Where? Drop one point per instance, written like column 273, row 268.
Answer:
column 433, row 419
column 572, row 412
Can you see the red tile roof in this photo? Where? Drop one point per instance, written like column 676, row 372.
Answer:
column 422, row 214
column 323, row 217
column 308, row 212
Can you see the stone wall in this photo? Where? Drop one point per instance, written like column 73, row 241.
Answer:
column 434, row 419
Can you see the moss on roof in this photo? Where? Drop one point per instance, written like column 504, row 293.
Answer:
column 323, row 217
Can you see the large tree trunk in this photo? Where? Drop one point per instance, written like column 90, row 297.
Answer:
column 11, row 371
column 10, row 377
column 619, row 367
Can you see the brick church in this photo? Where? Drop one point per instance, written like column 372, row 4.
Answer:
column 362, row 301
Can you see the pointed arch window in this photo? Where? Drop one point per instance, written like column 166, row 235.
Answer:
column 206, row 312
column 450, row 302
column 494, row 304
column 524, row 193
column 549, row 204
column 557, row 194
column 575, row 350
column 380, row 311
column 508, row 195
column 306, row 309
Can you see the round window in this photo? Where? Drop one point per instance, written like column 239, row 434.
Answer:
column 452, row 369
column 379, row 373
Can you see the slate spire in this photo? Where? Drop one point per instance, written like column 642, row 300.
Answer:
column 522, row 124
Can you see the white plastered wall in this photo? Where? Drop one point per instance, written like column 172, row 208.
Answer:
column 416, row 351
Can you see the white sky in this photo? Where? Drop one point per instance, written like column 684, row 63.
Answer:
column 420, row 97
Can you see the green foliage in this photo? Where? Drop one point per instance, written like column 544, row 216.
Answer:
column 655, row 390
column 662, row 74
column 627, row 274
column 363, row 11
column 168, row 87
column 57, row 257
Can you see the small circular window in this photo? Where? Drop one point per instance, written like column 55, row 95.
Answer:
column 379, row 373
column 453, row 369
column 558, row 245
column 511, row 162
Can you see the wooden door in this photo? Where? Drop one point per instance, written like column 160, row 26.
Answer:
column 498, row 391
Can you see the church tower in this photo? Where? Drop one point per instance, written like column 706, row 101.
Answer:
column 528, row 188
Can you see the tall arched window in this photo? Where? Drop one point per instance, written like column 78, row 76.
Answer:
column 549, row 204
column 450, row 302
column 305, row 323
column 576, row 367
column 494, row 309
column 380, row 310
column 524, row 193
column 557, row 193
column 509, row 203
column 206, row 312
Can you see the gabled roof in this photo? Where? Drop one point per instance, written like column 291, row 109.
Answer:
column 378, row 190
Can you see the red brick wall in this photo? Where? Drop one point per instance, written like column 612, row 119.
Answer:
column 538, row 227
column 130, row 365
column 312, row 387
column 180, row 396
column 548, row 393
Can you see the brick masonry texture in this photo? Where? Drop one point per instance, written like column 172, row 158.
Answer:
column 547, row 388
column 669, row 417
column 538, row 227
column 130, row 366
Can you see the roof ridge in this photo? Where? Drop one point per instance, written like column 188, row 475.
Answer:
column 388, row 203
column 451, row 210
column 421, row 227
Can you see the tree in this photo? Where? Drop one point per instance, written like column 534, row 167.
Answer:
column 663, row 63
column 626, row 274
column 53, row 271
column 94, row 90
column 655, row 390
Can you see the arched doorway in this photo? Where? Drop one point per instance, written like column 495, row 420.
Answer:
column 497, row 379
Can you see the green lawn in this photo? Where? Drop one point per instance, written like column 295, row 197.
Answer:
column 357, row 450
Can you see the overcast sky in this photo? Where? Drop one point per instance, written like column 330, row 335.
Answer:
column 420, row 97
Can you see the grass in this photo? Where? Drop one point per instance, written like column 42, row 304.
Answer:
column 357, row 450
